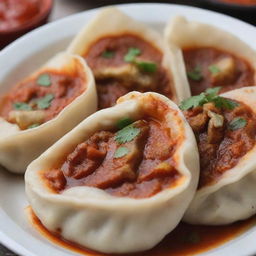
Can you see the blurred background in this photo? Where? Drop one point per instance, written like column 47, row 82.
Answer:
column 241, row 9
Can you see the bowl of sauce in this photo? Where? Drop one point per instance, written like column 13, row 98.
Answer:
column 18, row 17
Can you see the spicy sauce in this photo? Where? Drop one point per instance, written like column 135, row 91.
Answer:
column 240, row 2
column 116, row 77
column 16, row 13
column 49, row 93
column 138, row 168
column 203, row 71
column 185, row 240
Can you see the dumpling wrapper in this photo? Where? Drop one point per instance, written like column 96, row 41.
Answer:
column 233, row 196
column 100, row 221
column 181, row 33
column 111, row 21
column 19, row 147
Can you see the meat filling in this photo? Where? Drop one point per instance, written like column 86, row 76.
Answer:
column 135, row 161
column 126, row 63
column 209, row 67
column 223, row 137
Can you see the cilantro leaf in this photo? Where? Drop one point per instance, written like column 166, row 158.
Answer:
column 229, row 104
column 21, row 106
column 193, row 102
column 195, row 74
column 120, row 152
column 45, row 102
column 213, row 91
column 44, row 80
column 33, row 126
column 132, row 54
column 237, row 123
column 123, row 122
column 150, row 67
column 127, row 134
column 108, row 54
column 214, row 69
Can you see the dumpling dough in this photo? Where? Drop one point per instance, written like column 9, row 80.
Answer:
column 98, row 220
column 19, row 147
column 233, row 196
column 186, row 34
column 112, row 22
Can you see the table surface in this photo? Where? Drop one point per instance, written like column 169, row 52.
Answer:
column 64, row 8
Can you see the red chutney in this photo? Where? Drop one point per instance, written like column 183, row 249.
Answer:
column 45, row 95
column 137, row 168
column 240, row 2
column 221, row 148
column 116, row 77
column 16, row 13
column 210, row 67
column 183, row 241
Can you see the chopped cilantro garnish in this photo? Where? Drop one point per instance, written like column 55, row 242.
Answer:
column 45, row 102
column 21, row 106
column 195, row 74
column 214, row 69
column 210, row 95
column 127, row 134
column 44, row 80
column 237, row 123
column 132, row 54
column 193, row 102
column 33, row 126
column 108, row 54
column 150, row 67
column 123, row 122
column 121, row 151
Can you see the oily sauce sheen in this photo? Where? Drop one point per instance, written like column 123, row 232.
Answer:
column 228, row 146
column 63, row 88
column 110, row 87
column 145, row 169
column 16, row 13
column 183, row 241
column 239, row 72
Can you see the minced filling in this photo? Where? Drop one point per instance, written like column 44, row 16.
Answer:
column 135, row 161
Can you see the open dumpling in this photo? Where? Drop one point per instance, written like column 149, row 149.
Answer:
column 125, row 56
column 212, row 57
column 43, row 107
column 126, row 173
column 225, row 129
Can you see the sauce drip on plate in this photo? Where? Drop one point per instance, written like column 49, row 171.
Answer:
column 184, row 240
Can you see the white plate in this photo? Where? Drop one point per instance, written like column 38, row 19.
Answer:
column 32, row 50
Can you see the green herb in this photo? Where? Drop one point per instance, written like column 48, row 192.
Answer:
column 214, row 69
column 21, row 106
column 210, row 95
column 237, row 123
column 193, row 102
column 132, row 54
column 150, row 67
column 195, row 74
column 120, row 152
column 127, row 134
column 44, row 80
column 45, row 102
column 193, row 238
column 123, row 122
column 108, row 54
column 33, row 126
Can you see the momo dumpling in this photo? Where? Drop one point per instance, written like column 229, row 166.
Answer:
column 39, row 110
column 121, row 180
column 225, row 130
column 125, row 56
column 212, row 57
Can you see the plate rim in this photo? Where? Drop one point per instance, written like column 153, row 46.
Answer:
column 7, row 240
